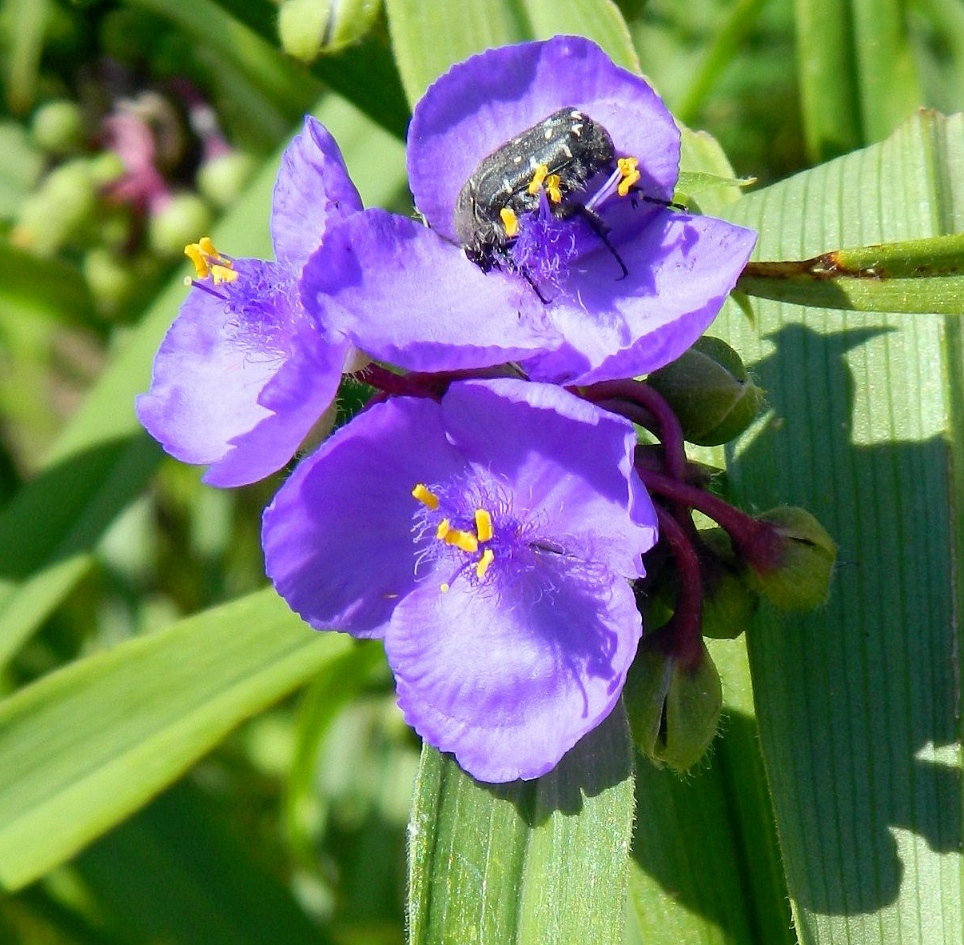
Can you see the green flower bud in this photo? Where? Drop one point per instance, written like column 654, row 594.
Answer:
column 58, row 127
column 106, row 167
column 709, row 392
column 111, row 279
column 310, row 28
column 222, row 179
column 178, row 224
column 728, row 603
column 673, row 712
column 800, row 579
column 59, row 211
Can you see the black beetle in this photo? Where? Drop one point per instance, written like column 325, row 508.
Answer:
column 570, row 146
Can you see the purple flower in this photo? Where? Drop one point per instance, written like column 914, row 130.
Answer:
column 243, row 374
column 588, row 259
column 490, row 539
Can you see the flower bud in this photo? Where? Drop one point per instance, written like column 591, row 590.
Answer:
column 709, row 392
column 221, row 179
column 58, row 211
column 728, row 603
column 110, row 278
column 673, row 711
column 58, row 127
column 310, row 28
column 184, row 216
column 800, row 577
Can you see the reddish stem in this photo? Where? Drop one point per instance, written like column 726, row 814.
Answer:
column 669, row 431
column 756, row 542
column 682, row 631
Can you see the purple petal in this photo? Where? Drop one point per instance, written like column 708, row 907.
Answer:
column 569, row 462
column 484, row 102
column 405, row 296
column 313, row 190
column 240, row 378
column 295, row 397
column 511, row 683
column 680, row 271
column 338, row 538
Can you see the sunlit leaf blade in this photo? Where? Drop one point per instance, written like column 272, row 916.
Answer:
column 706, row 867
column 857, row 703
column 90, row 743
column 886, row 73
column 598, row 20
column 529, row 862
column 911, row 276
column 103, row 458
column 417, row 28
column 829, row 97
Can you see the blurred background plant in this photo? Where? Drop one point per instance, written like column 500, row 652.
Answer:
column 129, row 130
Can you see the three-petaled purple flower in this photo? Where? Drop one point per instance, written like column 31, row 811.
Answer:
column 243, row 373
column 490, row 539
column 606, row 279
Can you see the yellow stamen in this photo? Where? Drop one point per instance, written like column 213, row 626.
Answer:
column 466, row 541
column 425, row 496
column 510, row 221
column 629, row 169
column 193, row 252
column 553, row 190
column 488, row 556
column 444, row 527
column 208, row 261
column 444, row 588
column 221, row 274
column 540, row 174
column 483, row 525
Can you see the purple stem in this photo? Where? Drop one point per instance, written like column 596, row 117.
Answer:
column 669, row 431
column 756, row 542
column 682, row 631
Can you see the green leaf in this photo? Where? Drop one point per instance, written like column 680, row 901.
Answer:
column 469, row 28
column 173, row 874
column 90, row 743
column 858, row 703
column 706, row 868
column 829, row 96
column 598, row 20
column 529, row 862
column 912, row 276
column 30, row 285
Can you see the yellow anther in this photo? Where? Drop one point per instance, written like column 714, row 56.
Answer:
column 509, row 221
column 629, row 169
column 553, row 190
column 444, row 588
column 425, row 496
column 221, row 274
column 465, row 541
column 209, row 262
column 193, row 252
column 540, row 174
column 488, row 556
column 483, row 525
column 444, row 527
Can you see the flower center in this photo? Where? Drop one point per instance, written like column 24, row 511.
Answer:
column 454, row 530
column 260, row 297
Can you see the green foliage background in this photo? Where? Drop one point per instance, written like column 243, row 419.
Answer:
column 182, row 761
